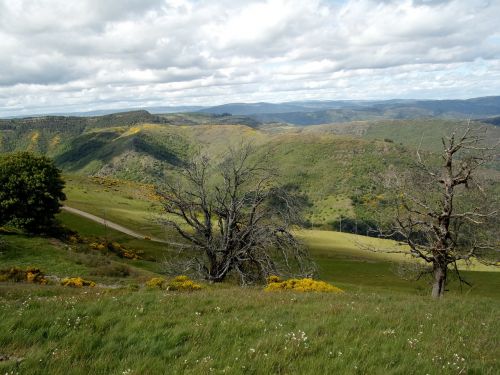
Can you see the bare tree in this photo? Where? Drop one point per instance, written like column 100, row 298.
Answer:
column 445, row 213
column 234, row 218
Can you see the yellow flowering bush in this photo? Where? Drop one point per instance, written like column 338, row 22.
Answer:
column 76, row 282
column 156, row 282
column 97, row 246
column 183, row 283
column 179, row 283
column 273, row 279
column 181, row 279
column 30, row 274
column 115, row 248
column 300, row 285
column 74, row 238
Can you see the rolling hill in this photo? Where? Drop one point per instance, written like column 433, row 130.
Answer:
column 321, row 112
column 333, row 164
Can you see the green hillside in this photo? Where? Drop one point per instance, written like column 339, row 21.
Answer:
column 333, row 164
column 424, row 133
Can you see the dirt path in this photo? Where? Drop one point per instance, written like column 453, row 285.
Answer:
column 109, row 224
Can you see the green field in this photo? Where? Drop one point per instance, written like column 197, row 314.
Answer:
column 380, row 325
column 244, row 331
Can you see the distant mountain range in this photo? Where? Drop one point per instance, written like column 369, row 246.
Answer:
column 329, row 111
column 103, row 112
column 324, row 112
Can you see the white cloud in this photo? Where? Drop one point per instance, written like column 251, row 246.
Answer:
column 61, row 56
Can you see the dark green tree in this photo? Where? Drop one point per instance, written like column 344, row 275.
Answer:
column 31, row 188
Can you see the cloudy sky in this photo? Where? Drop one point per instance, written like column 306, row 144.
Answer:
column 63, row 56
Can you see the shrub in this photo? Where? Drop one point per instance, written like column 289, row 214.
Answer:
column 273, row 279
column 300, row 285
column 76, row 282
column 156, row 282
column 179, row 283
column 115, row 248
column 74, row 238
column 183, row 283
column 30, row 275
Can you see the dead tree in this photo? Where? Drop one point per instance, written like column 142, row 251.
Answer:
column 444, row 213
column 234, row 219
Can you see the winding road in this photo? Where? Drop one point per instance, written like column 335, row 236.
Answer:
column 110, row 224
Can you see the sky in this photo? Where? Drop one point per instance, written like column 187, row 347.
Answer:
column 64, row 56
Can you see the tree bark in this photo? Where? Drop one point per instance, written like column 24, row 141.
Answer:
column 215, row 273
column 439, row 280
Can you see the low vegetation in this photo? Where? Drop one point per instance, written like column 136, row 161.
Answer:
column 244, row 331
column 29, row 274
column 275, row 284
column 76, row 282
column 178, row 283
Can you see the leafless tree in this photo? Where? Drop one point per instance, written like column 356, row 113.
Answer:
column 445, row 211
column 234, row 218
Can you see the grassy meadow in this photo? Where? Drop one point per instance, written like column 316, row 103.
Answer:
column 244, row 331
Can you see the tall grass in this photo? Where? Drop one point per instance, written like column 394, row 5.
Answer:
column 244, row 331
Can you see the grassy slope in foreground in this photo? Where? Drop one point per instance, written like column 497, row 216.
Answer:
column 244, row 331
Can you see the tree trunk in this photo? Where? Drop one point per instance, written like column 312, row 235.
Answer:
column 215, row 275
column 439, row 280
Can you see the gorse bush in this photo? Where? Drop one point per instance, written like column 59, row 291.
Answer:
column 76, row 282
column 179, row 283
column 183, row 283
column 300, row 285
column 156, row 282
column 115, row 248
column 30, row 275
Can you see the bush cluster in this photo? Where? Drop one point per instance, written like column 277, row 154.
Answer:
column 275, row 284
column 179, row 283
column 183, row 283
column 30, row 275
column 115, row 248
column 76, row 282
column 156, row 282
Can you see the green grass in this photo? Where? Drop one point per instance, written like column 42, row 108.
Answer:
column 424, row 133
column 51, row 255
column 245, row 331
column 341, row 257
column 59, row 259
column 92, row 230
column 125, row 203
